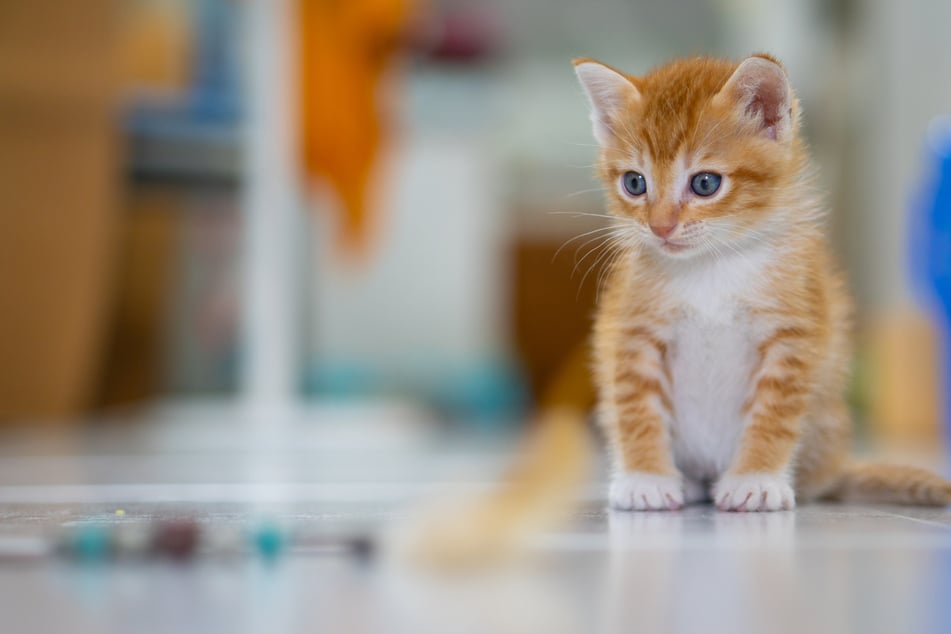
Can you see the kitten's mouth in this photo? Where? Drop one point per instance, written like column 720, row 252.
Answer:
column 673, row 247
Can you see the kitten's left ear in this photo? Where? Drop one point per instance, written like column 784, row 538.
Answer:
column 609, row 92
column 760, row 90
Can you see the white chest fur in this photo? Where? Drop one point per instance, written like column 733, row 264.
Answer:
column 710, row 364
column 711, row 356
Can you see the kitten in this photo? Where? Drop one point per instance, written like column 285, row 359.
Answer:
column 721, row 342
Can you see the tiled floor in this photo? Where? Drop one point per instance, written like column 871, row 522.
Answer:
column 334, row 473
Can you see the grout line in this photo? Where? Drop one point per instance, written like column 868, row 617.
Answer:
column 943, row 525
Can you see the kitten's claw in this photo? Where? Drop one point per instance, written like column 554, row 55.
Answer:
column 637, row 491
column 754, row 492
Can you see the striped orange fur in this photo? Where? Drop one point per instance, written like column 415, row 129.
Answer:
column 761, row 421
column 721, row 343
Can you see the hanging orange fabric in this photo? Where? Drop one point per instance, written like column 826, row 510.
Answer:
column 345, row 46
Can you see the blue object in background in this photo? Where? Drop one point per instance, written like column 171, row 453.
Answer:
column 341, row 380
column 213, row 98
column 488, row 393
column 930, row 246
column 194, row 139
column 215, row 82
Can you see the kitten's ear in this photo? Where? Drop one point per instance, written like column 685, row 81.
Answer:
column 608, row 93
column 760, row 89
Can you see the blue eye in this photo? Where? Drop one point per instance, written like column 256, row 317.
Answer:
column 634, row 183
column 705, row 183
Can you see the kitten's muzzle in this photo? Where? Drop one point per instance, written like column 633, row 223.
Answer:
column 663, row 230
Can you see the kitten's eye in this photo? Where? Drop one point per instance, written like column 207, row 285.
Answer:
column 705, row 183
column 634, row 183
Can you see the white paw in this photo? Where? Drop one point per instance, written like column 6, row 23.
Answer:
column 637, row 491
column 753, row 492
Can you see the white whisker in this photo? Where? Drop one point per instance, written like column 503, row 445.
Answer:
column 578, row 237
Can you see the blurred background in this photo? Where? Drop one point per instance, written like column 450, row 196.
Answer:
column 282, row 203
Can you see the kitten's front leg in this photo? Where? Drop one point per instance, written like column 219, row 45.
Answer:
column 640, row 407
column 760, row 478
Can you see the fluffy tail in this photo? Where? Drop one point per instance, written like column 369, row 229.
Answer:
column 539, row 492
column 891, row 484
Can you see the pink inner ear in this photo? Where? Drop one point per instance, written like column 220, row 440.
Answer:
column 767, row 101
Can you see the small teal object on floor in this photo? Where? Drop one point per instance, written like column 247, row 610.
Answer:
column 91, row 542
column 269, row 541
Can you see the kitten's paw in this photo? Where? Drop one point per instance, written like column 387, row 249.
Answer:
column 754, row 492
column 636, row 491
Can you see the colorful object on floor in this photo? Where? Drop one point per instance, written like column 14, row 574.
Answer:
column 224, row 542
column 90, row 543
column 180, row 540
column 345, row 47
column 176, row 539
column 363, row 548
column 269, row 540
column 131, row 541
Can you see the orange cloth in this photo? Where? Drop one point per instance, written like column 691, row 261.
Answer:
column 345, row 48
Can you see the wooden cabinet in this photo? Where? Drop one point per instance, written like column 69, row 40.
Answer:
column 58, row 194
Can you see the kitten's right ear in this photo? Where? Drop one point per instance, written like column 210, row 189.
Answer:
column 608, row 91
column 760, row 91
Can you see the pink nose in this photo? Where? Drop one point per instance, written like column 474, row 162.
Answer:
column 663, row 231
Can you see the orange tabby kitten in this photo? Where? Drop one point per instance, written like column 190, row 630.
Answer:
column 721, row 342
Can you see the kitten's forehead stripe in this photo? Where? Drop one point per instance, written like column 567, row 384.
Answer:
column 750, row 174
column 674, row 97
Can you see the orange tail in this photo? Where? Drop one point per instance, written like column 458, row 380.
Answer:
column 892, row 484
column 540, row 491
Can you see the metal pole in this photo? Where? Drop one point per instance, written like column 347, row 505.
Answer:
column 271, row 208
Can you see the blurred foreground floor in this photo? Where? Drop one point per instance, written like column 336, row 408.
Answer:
column 340, row 472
